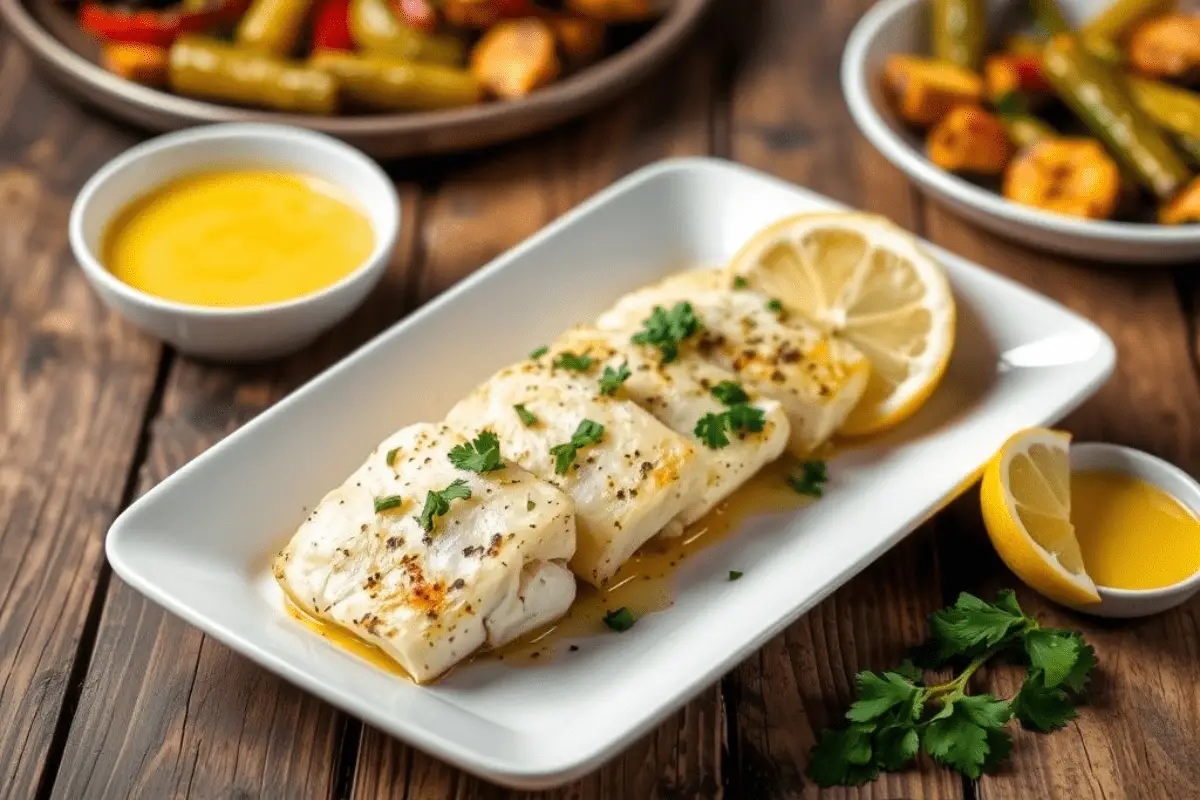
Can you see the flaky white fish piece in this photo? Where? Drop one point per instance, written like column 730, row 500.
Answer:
column 627, row 484
column 492, row 567
column 680, row 393
column 816, row 377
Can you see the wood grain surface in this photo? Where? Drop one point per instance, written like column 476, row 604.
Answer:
column 104, row 695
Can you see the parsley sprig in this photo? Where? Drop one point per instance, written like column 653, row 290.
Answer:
column 811, row 479
column 575, row 363
column 437, row 504
column 739, row 417
column 588, row 432
column 897, row 715
column 481, row 455
column 666, row 330
column 612, row 379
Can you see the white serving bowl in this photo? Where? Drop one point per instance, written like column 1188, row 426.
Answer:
column 901, row 26
column 245, row 333
column 1094, row 457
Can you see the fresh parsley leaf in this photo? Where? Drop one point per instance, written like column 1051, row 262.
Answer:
column 388, row 503
column 612, row 379
column 730, row 393
column 984, row 710
column 1041, row 707
column 710, row 429
column 568, row 360
column 775, row 305
column 437, row 504
column 1006, row 599
column 734, row 575
column 744, row 417
column 588, row 432
column 530, row 505
column 620, row 620
column 481, row 455
column 666, row 330
column 972, row 624
column 740, row 283
column 1077, row 680
column 527, row 418
column 908, row 669
column 838, row 757
column 895, row 746
column 390, row 458
column 541, row 351
column 881, row 693
column 955, row 741
column 999, row 743
column 1053, row 652
column 811, row 480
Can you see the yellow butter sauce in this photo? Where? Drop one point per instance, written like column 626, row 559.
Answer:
column 1132, row 534
column 644, row 585
column 237, row 238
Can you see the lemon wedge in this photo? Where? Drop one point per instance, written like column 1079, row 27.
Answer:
column 860, row 278
column 1026, row 499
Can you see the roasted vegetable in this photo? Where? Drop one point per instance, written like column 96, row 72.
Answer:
column 331, row 26
column 1175, row 109
column 1120, row 16
column 924, row 91
column 393, row 84
column 1050, row 17
column 1166, row 47
column 1098, row 97
column 1184, row 208
column 202, row 67
column 1188, row 145
column 1005, row 74
column 158, row 28
column 515, row 57
column 1067, row 176
column 271, row 27
column 378, row 31
column 970, row 140
column 141, row 63
column 580, row 39
column 958, row 31
column 1024, row 129
column 420, row 15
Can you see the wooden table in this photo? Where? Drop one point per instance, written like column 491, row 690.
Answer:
column 104, row 695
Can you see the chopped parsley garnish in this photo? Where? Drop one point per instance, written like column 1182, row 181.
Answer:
column 564, row 454
column 811, row 479
column 612, row 379
column 620, row 620
column 898, row 714
column 387, row 503
column 666, row 330
column 730, row 393
column 775, row 305
column 530, row 505
column 734, row 574
column 481, row 455
column 740, row 283
column 568, row 360
column 437, row 504
column 527, row 418
column 740, row 417
column 391, row 456
column 541, row 351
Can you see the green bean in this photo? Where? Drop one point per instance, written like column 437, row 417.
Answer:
column 1120, row 17
column 958, row 31
column 378, row 31
column 396, row 85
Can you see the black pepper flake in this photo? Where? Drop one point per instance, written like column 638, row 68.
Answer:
column 573, row 648
column 458, row 584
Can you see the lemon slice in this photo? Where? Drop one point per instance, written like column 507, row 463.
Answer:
column 861, row 278
column 1026, row 499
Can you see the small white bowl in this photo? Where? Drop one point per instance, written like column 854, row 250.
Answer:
column 245, row 333
column 901, row 26
column 1094, row 457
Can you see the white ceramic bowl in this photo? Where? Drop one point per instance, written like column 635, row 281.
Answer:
column 1090, row 457
column 900, row 26
column 253, row 332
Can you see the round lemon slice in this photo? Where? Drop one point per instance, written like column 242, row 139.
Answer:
column 1026, row 499
column 861, row 278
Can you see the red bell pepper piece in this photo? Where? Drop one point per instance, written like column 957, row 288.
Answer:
column 158, row 28
column 331, row 26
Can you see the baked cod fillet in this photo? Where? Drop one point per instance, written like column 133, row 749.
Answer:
column 491, row 568
column 679, row 394
column 818, row 379
column 628, row 483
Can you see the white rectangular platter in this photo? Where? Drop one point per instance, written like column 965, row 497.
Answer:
column 200, row 543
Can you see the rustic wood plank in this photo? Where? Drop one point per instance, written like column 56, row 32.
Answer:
column 788, row 118
column 74, row 385
column 1136, row 736
column 167, row 711
column 489, row 204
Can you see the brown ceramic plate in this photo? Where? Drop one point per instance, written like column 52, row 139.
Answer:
column 51, row 35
